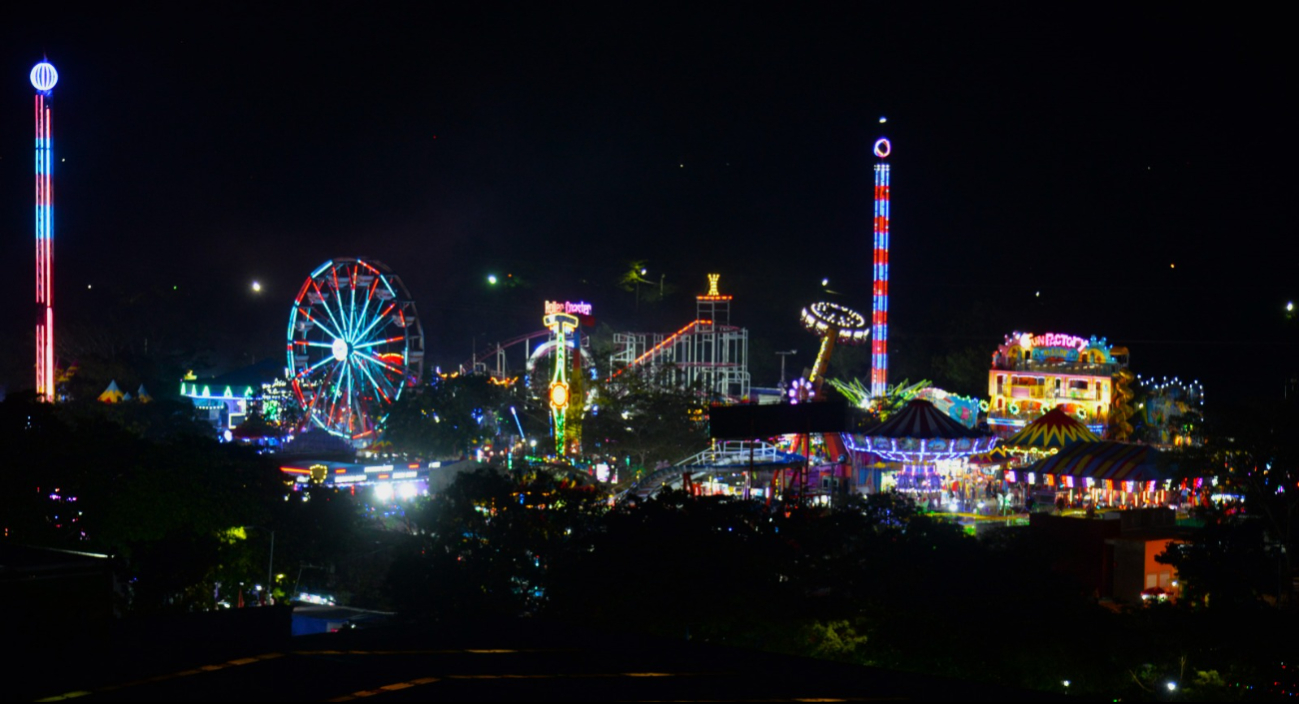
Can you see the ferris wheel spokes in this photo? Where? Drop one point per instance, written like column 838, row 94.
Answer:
column 351, row 361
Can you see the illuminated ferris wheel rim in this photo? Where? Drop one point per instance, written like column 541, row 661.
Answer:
column 354, row 343
column 847, row 325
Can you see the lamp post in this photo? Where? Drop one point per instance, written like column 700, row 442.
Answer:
column 270, row 563
column 783, row 355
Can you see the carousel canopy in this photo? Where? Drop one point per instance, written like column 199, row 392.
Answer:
column 921, row 433
column 1103, row 460
column 920, row 419
column 1054, row 430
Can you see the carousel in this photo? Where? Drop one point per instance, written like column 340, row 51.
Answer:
column 930, row 449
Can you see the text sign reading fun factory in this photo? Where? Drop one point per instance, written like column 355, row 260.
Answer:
column 1052, row 339
column 579, row 308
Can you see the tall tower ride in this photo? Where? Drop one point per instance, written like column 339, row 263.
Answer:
column 880, row 295
column 43, row 79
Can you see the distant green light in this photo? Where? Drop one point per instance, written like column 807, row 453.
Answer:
column 491, row 279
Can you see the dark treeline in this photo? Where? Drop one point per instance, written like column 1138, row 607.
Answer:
column 189, row 524
column 188, row 521
column 872, row 581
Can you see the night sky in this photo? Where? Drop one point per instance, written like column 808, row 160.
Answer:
column 1049, row 166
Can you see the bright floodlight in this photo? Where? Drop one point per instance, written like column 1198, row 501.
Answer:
column 257, row 287
column 44, row 76
column 1289, row 307
column 491, row 279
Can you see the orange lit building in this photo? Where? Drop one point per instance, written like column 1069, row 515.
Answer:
column 1031, row 374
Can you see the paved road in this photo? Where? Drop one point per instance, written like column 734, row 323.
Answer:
column 528, row 661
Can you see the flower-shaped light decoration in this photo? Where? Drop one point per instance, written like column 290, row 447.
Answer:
column 801, row 391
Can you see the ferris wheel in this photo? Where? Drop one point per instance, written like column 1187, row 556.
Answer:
column 354, row 342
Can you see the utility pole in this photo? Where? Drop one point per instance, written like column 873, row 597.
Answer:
column 783, row 355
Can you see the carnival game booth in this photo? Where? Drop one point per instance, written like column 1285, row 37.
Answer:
column 1101, row 474
column 927, row 451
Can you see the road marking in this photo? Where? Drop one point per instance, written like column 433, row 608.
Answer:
column 61, row 697
column 169, row 676
column 397, row 686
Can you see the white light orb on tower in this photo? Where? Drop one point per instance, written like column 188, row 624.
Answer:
column 44, row 76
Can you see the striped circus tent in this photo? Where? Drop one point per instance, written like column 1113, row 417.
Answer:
column 996, row 456
column 1100, row 460
column 1054, row 430
column 921, row 433
column 920, row 419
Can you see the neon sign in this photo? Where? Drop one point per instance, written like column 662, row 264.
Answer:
column 579, row 308
column 1052, row 339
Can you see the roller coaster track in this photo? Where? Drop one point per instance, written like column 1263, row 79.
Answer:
column 659, row 349
column 722, row 458
column 498, row 349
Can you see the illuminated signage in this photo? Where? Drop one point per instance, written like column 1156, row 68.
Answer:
column 1052, row 339
column 558, row 395
column 579, row 308
column 403, row 475
column 349, row 478
column 383, row 468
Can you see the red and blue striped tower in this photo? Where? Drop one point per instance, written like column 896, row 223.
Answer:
column 43, row 79
column 880, row 296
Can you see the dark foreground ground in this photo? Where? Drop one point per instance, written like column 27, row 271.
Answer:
column 511, row 661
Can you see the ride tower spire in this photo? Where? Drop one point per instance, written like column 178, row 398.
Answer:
column 43, row 78
column 880, row 290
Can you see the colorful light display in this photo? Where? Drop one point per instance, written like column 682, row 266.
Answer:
column 1172, row 411
column 561, row 325
column 800, row 391
column 834, row 324
column 880, row 295
column 1031, row 374
column 354, row 343
column 579, row 308
column 43, row 78
column 921, row 434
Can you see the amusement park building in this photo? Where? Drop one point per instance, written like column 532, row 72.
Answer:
column 225, row 400
column 1031, row 374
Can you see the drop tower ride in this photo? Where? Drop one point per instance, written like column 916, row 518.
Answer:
column 43, row 79
column 880, row 295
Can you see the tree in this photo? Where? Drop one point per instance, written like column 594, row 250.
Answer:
column 450, row 416
column 640, row 415
column 485, row 545
column 1253, row 450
